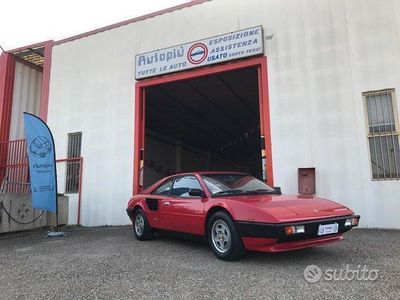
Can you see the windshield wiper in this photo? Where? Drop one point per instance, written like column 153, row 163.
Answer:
column 229, row 192
column 253, row 192
column 262, row 191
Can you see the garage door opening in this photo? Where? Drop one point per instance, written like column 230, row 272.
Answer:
column 210, row 122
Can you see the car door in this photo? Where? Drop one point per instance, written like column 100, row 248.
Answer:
column 158, row 203
column 185, row 213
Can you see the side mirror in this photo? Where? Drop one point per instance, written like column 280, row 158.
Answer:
column 196, row 193
column 278, row 189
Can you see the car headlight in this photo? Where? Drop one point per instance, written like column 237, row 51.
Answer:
column 351, row 222
column 295, row 229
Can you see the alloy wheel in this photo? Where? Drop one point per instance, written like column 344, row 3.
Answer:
column 139, row 224
column 221, row 236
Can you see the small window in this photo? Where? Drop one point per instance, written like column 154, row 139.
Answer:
column 164, row 188
column 383, row 135
column 73, row 166
column 182, row 185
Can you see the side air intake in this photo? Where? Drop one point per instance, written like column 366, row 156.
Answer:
column 152, row 204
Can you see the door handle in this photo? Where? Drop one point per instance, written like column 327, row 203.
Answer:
column 166, row 203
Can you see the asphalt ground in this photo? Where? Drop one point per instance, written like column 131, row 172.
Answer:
column 108, row 263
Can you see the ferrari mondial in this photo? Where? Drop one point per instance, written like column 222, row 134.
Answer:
column 237, row 212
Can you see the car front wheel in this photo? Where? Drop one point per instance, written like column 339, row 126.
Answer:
column 141, row 227
column 223, row 237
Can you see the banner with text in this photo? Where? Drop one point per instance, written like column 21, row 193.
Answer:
column 234, row 45
column 42, row 163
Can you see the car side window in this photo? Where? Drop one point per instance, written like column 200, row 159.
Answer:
column 164, row 188
column 183, row 184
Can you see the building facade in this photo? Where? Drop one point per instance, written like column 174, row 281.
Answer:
column 321, row 94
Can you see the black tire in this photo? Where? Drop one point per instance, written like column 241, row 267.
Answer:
column 144, row 233
column 233, row 251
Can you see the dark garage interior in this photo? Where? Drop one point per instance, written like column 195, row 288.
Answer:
column 205, row 123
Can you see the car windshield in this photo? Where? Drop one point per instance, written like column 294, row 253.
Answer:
column 235, row 184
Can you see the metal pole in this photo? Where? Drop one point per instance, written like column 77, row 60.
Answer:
column 55, row 175
column 56, row 211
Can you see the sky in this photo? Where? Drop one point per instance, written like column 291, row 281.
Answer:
column 26, row 22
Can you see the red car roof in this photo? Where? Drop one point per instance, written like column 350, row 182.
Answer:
column 209, row 172
column 151, row 187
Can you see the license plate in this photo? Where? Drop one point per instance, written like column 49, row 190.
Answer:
column 328, row 229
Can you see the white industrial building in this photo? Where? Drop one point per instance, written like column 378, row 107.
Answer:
column 263, row 86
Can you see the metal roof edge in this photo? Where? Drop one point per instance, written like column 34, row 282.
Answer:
column 40, row 44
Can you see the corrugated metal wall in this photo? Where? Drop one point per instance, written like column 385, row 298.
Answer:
column 27, row 92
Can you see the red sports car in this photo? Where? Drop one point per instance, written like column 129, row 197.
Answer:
column 237, row 212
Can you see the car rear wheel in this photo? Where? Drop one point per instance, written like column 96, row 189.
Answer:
column 141, row 228
column 224, row 238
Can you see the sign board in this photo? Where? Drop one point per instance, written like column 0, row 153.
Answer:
column 234, row 45
column 42, row 163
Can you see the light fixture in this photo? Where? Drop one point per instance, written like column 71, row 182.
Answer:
column 351, row 222
column 294, row 229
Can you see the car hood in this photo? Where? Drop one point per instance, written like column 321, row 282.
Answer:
column 287, row 208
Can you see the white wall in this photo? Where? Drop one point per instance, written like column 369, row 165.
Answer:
column 26, row 97
column 72, row 198
column 322, row 56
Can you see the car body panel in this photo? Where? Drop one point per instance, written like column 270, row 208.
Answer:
column 188, row 211
column 189, row 215
column 284, row 208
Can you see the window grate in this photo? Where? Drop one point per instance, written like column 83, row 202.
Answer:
column 73, row 167
column 383, row 135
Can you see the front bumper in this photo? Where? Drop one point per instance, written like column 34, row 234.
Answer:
column 272, row 245
column 271, row 237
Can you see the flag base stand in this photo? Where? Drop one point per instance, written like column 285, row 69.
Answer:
column 55, row 234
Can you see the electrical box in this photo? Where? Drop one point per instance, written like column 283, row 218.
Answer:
column 306, row 181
